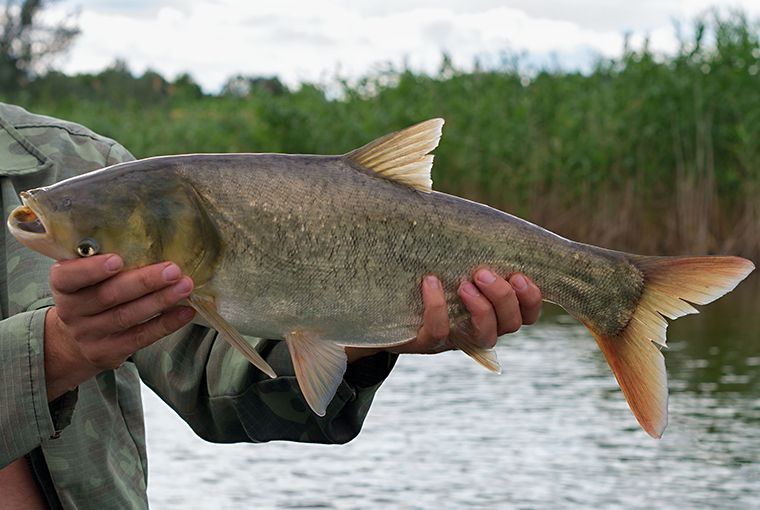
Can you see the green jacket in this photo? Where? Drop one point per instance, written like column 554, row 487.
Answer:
column 87, row 448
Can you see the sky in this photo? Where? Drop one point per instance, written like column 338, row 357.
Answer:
column 315, row 41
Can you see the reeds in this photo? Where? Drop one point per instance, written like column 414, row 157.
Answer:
column 648, row 153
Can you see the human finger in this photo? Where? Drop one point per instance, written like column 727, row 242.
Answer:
column 529, row 296
column 111, row 353
column 431, row 337
column 504, row 301
column 435, row 321
column 125, row 316
column 69, row 276
column 125, row 287
column 483, row 314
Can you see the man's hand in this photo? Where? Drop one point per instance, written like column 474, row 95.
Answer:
column 102, row 316
column 497, row 306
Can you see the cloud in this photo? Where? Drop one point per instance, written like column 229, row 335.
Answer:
column 302, row 40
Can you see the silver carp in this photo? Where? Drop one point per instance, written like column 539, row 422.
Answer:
column 330, row 251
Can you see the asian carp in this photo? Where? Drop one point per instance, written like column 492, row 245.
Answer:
column 330, row 251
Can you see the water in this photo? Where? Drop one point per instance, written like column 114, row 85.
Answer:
column 552, row 432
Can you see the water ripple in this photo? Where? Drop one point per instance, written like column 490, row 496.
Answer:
column 552, row 432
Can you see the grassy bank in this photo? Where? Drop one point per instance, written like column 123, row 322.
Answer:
column 648, row 153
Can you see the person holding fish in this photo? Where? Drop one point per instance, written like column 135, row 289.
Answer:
column 78, row 335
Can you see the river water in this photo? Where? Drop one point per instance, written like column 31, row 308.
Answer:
column 552, row 432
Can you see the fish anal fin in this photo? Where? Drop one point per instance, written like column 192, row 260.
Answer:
column 403, row 156
column 207, row 310
column 464, row 337
column 319, row 366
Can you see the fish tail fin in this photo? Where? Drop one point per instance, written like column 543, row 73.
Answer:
column 669, row 282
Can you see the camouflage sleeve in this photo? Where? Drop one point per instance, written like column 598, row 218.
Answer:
column 225, row 399
column 27, row 419
column 118, row 154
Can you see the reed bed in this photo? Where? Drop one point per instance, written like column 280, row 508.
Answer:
column 652, row 153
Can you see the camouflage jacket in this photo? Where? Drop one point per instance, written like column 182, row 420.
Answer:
column 87, row 448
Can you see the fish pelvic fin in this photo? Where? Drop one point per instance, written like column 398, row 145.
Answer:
column 669, row 282
column 403, row 156
column 208, row 311
column 319, row 366
column 464, row 337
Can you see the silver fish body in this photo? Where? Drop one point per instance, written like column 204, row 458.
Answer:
column 330, row 251
column 316, row 242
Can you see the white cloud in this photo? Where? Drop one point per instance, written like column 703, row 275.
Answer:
column 303, row 40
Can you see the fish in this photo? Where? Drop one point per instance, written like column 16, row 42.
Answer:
column 325, row 252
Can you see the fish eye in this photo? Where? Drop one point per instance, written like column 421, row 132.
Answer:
column 87, row 248
column 66, row 204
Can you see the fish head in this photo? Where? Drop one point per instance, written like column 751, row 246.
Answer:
column 71, row 221
column 144, row 211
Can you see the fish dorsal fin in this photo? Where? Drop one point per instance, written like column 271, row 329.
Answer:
column 403, row 156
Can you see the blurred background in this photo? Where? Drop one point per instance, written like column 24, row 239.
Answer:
column 630, row 125
column 634, row 125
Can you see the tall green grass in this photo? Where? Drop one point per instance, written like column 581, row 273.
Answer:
column 649, row 153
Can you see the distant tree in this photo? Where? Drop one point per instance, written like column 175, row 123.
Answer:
column 186, row 88
column 28, row 45
column 243, row 86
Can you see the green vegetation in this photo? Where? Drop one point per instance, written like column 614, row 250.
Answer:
column 652, row 153
column 27, row 42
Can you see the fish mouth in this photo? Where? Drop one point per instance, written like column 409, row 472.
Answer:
column 28, row 225
column 27, row 220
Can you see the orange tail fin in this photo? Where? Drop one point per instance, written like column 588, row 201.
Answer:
column 669, row 282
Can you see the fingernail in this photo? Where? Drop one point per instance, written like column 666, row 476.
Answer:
column 470, row 289
column 112, row 263
column 171, row 273
column 519, row 282
column 432, row 282
column 486, row 277
column 186, row 315
column 183, row 286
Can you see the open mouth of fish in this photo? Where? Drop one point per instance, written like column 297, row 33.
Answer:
column 27, row 223
column 30, row 227
column 25, row 219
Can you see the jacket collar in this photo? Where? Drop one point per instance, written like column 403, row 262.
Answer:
column 18, row 156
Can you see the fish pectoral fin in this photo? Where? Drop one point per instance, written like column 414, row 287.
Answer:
column 464, row 337
column 403, row 156
column 319, row 367
column 208, row 311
